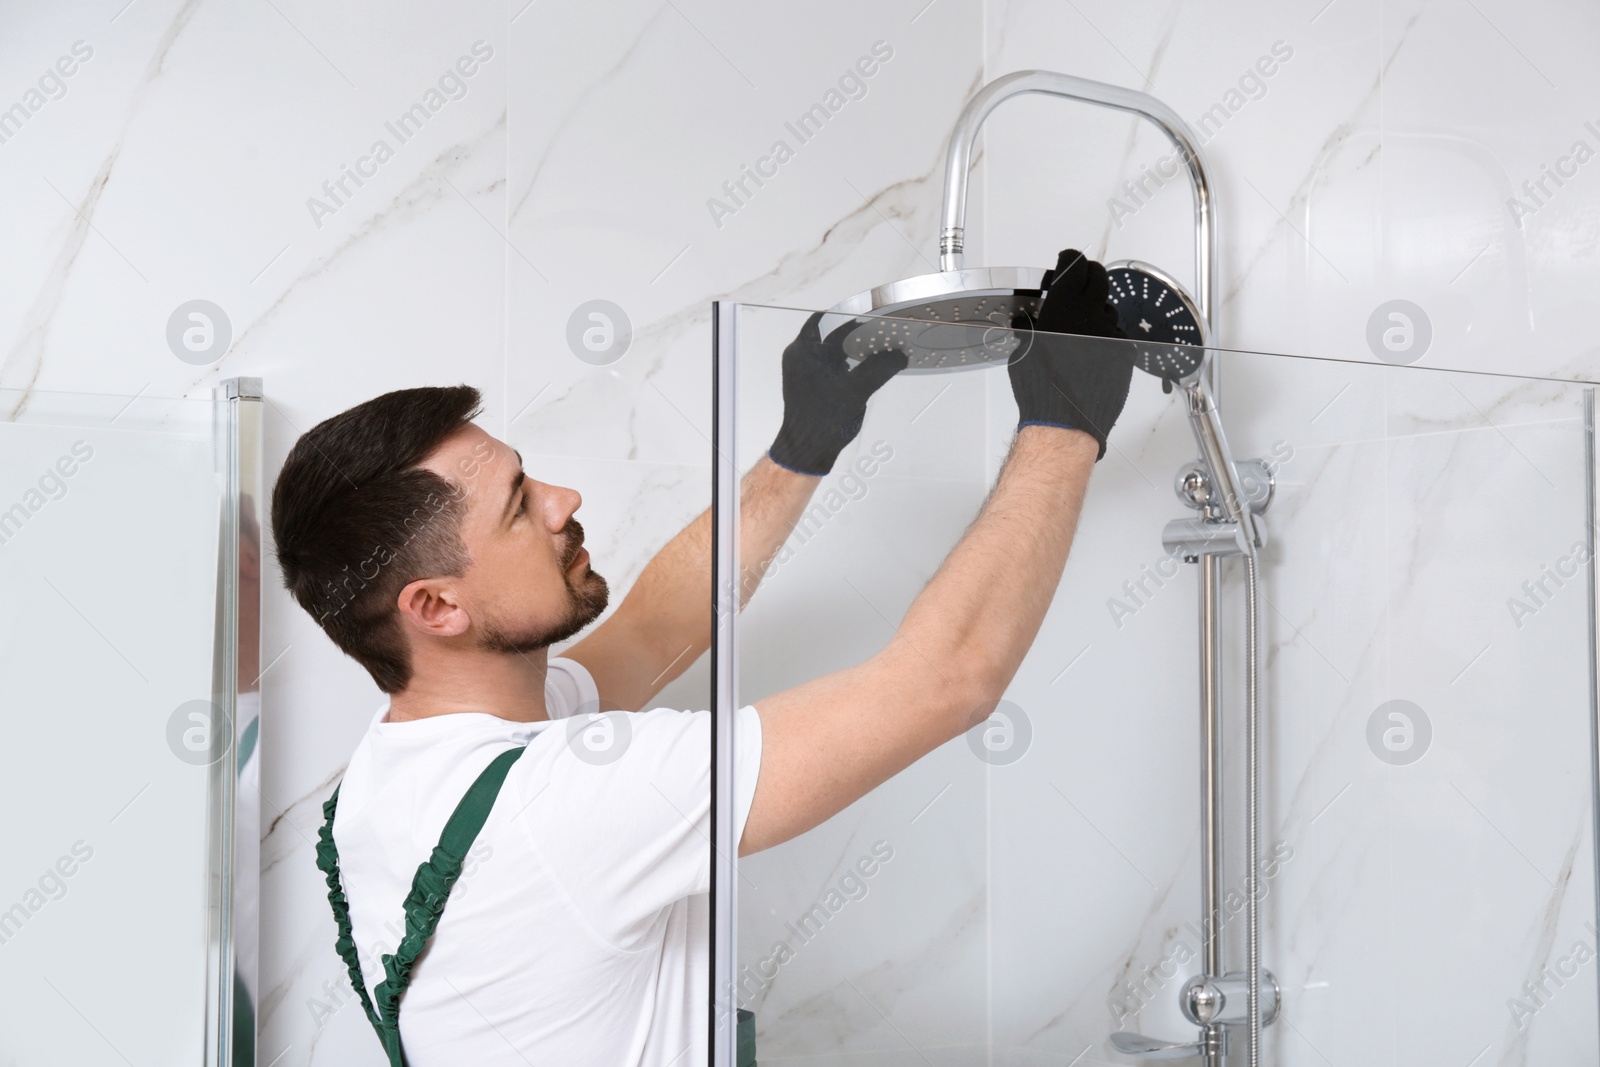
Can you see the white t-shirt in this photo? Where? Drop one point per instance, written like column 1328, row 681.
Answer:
column 579, row 930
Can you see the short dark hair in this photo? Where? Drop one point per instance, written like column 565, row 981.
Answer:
column 355, row 519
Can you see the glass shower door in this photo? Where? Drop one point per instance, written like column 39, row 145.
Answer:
column 831, row 924
column 1426, row 878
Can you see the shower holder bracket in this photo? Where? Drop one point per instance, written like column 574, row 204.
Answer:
column 1192, row 539
column 1226, row 1000
column 1212, row 1003
column 1211, row 533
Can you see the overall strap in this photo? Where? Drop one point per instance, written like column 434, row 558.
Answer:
column 328, row 863
column 430, row 888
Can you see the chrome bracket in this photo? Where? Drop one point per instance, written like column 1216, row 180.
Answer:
column 1194, row 488
column 1212, row 533
column 1226, row 1000
column 1214, row 1004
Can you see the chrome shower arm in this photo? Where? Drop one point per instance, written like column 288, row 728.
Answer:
column 958, row 159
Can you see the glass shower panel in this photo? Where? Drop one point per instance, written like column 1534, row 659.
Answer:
column 1430, row 757
column 874, row 921
column 1426, row 885
column 109, row 511
column 1427, row 876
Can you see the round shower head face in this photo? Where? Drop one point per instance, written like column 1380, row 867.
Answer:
column 953, row 320
column 1159, row 317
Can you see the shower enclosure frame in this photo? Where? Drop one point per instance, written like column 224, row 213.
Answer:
column 1591, row 486
column 233, row 853
column 724, row 901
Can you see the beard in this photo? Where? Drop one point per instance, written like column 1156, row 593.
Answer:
column 586, row 598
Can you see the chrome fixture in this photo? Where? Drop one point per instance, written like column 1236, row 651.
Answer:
column 233, row 820
column 1212, row 533
column 1193, row 486
column 1211, row 1003
column 960, row 317
column 1225, row 999
column 953, row 320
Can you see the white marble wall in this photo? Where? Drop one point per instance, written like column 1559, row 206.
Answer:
column 1375, row 164
column 577, row 164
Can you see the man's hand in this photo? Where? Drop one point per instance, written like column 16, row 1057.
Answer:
column 823, row 401
column 1067, row 381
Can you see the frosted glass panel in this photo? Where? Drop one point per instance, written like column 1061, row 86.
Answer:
column 108, row 545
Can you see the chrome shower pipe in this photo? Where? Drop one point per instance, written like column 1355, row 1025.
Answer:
column 958, row 160
column 1252, row 822
column 1206, row 423
column 1213, row 961
column 952, row 239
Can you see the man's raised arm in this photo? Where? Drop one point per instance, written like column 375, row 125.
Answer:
column 830, row 741
column 664, row 623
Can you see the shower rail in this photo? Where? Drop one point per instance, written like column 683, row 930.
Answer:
column 1249, row 535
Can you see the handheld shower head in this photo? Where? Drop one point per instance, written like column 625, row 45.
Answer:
column 1160, row 318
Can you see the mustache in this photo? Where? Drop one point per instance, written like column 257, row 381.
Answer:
column 574, row 534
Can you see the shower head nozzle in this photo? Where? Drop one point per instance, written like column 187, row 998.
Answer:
column 1159, row 318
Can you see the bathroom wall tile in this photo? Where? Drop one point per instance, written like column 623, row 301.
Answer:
column 168, row 175
column 897, row 966
column 618, row 162
column 1526, row 291
column 1272, row 402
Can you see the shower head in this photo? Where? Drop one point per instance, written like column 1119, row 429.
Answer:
column 951, row 320
column 958, row 319
column 1160, row 318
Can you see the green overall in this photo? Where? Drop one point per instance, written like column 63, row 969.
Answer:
column 430, row 888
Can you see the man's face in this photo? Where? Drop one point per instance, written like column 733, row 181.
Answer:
column 529, row 583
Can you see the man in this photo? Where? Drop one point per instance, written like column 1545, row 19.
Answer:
column 579, row 933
